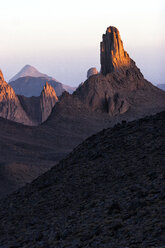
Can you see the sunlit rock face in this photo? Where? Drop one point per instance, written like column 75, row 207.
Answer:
column 112, row 52
column 48, row 99
column 10, row 107
column 92, row 71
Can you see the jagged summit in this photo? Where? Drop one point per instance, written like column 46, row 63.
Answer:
column 47, row 100
column 112, row 53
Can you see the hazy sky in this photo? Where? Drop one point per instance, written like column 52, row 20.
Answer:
column 62, row 38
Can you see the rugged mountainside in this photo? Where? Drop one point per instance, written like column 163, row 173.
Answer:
column 30, row 82
column 30, row 111
column 109, row 192
column 161, row 86
column 98, row 103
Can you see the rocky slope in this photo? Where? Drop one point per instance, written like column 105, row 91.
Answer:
column 109, row 192
column 30, row 111
column 30, row 82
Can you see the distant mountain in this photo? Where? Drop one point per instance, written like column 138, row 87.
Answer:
column 30, row 82
column 109, row 192
column 161, row 86
column 32, row 86
column 30, row 71
column 30, row 111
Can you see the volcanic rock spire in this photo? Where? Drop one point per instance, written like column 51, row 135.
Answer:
column 112, row 52
column 48, row 99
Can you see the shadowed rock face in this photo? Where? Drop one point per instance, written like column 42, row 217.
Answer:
column 39, row 108
column 113, row 56
column 109, row 192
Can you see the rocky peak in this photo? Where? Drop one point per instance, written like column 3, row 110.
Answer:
column 47, row 100
column 1, row 76
column 112, row 52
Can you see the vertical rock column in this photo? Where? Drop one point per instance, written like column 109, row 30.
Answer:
column 112, row 54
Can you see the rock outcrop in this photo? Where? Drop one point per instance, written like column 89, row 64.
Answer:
column 113, row 56
column 48, row 99
column 92, row 71
column 10, row 106
column 39, row 108
column 32, row 86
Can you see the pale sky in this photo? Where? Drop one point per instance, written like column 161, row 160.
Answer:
column 62, row 38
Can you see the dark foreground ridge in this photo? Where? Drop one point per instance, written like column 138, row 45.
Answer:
column 109, row 192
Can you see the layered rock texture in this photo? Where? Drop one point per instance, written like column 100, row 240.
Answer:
column 30, row 82
column 113, row 56
column 109, row 192
column 30, row 111
column 92, row 71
